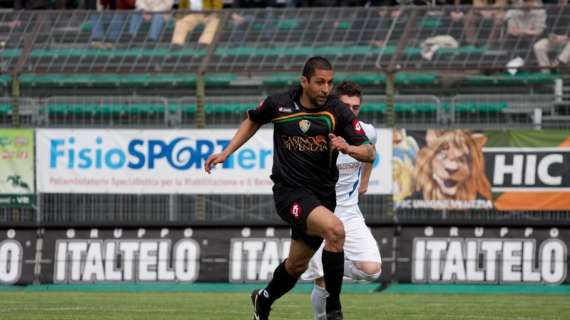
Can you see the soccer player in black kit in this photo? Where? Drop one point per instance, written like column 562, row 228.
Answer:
column 310, row 128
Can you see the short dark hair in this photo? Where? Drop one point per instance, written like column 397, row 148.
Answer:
column 348, row 88
column 315, row 63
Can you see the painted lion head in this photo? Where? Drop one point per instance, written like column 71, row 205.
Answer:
column 451, row 166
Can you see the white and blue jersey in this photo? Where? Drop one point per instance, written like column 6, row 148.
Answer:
column 349, row 172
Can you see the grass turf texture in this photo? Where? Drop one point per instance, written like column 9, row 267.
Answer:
column 236, row 305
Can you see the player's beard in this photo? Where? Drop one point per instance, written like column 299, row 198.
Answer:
column 315, row 101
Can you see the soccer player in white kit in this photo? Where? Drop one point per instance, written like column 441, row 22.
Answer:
column 362, row 257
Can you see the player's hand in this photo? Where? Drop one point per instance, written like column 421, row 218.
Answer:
column 338, row 143
column 213, row 160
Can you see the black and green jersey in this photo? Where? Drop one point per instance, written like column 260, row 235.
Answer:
column 302, row 156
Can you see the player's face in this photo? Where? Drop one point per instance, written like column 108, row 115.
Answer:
column 318, row 87
column 352, row 102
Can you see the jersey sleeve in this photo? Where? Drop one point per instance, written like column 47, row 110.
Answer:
column 370, row 132
column 265, row 111
column 349, row 127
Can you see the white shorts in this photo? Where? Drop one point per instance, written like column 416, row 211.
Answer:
column 359, row 244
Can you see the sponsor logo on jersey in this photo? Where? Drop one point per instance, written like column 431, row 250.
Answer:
column 305, row 144
column 283, row 109
column 304, row 125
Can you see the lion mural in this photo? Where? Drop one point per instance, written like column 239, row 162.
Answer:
column 403, row 160
column 451, row 167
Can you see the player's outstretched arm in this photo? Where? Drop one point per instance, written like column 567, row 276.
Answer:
column 362, row 153
column 246, row 130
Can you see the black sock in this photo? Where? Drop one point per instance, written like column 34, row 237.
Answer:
column 281, row 283
column 333, row 268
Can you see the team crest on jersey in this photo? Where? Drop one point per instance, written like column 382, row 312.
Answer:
column 304, row 125
column 296, row 210
column 357, row 126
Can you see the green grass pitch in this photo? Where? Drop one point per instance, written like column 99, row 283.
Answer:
column 221, row 306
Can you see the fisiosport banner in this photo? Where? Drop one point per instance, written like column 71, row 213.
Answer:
column 166, row 161
column 461, row 169
column 17, row 256
column 488, row 255
column 16, row 167
column 172, row 254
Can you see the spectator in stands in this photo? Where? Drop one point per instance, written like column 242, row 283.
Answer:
column 190, row 21
column 524, row 25
column 115, row 20
column 152, row 11
column 478, row 14
column 557, row 38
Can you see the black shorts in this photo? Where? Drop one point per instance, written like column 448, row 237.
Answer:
column 294, row 205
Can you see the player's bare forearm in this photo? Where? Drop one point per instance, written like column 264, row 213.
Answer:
column 364, row 178
column 246, row 130
column 362, row 153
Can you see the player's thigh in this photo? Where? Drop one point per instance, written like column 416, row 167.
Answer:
column 359, row 243
column 321, row 222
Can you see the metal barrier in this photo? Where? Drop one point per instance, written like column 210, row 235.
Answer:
column 412, row 111
column 106, row 111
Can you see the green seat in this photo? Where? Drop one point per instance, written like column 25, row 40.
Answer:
column 462, row 50
column 5, row 109
column 475, row 107
column 118, row 80
column 362, row 78
column 86, row 26
column 520, row 78
column 287, row 24
column 10, row 53
column 416, row 78
column 344, row 25
column 103, row 109
column 430, row 22
column 115, row 53
column 368, row 78
column 219, row 79
column 212, row 108
column 5, row 80
column 416, row 107
column 237, row 108
column 183, row 107
column 301, row 51
column 400, row 107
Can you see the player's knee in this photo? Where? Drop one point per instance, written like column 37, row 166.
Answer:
column 370, row 271
column 373, row 270
column 335, row 234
